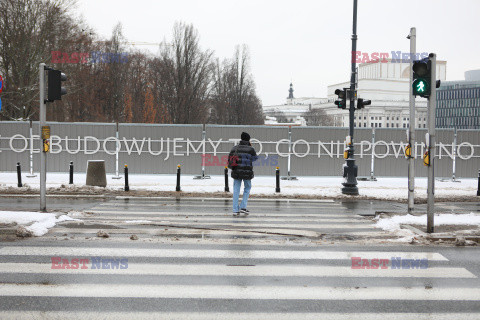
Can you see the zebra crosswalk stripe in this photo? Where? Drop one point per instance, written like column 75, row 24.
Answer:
column 229, row 218
column 264, row 225
column 188, row 231
column 243, row 271
column 317, row 282
column 215, row 253
column 211, row 213
column 239, row 292
column 61, row 315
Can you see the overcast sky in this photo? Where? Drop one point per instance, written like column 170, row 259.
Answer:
column 304, row 41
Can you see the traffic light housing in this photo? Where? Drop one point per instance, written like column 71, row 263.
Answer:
column 361, row 103
column 422, row 77
column 341, row 102
column 55, row 89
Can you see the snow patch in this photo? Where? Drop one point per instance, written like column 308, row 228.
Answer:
column 393, row 223
column 383, row 188
column 39, row 222
column 138, row 221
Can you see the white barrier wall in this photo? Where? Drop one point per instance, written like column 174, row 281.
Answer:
column 315, row 151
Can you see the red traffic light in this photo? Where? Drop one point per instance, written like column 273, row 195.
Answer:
column 340, row 93
column 361, row 103
column 55, row 89
column 420, row 67
column 341, row 103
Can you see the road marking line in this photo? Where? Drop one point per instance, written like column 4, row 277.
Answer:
column 266, row 225
column 181, row 231
column 239, row 292
column 61, row 315
column 230, row 254
column 122, row 218
column 137, row 205
column 221, row 214
column 242, row 271
column 223, row 199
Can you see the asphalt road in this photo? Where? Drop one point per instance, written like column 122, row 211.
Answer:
column 193, row 260
column 235, row 281
column 359, row 206
column 212, row 219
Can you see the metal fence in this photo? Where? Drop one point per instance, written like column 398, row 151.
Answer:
column 158, row 148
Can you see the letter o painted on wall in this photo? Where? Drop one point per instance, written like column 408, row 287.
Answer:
column 252, row 141
column 465, row 144
column 295, row 144
column 18, row 136
column 386, row 152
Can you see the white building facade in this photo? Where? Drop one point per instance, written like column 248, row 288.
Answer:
column 293, row 109
column 385, row 83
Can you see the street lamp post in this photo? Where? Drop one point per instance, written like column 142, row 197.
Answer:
column 350, row 169
column 411, row 128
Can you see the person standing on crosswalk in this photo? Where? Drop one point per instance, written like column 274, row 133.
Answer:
column 240, row 160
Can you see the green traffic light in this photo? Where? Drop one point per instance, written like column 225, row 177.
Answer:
column 421, row 87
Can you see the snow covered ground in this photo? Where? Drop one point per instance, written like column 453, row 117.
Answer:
column 393, row 223
column 36, row 222
column 384, row 188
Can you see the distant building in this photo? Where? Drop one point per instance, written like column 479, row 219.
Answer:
column 458, row 103
column 290, row 92
column 273, row 121
column 385, row 83
column 293, row 110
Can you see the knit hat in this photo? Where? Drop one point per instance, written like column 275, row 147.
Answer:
column 245, row 136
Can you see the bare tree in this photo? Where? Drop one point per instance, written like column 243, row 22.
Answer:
column 28, row 28
column 116, row 75
column 318, row 117
column 186, row 75
column 234, row 100
column 175, row 86
column 219, row 102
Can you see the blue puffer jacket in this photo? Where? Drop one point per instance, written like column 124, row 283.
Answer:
column 241, row 160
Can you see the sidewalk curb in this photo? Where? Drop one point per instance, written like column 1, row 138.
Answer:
column 439, row 236
column 8, row 231
column 223, row 199
column 100, row 196
column 414, row 230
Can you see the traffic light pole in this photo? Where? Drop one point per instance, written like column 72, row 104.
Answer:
column 350, row 169
column 43, row 155
column 432, row 101
column 411, row 129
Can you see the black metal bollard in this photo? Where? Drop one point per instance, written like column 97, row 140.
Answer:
column 71, row 172
column 127, row 187
column 478, row 188
column 227, row 189
column 19, row 175
column 277, row 176
column 178, row 179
